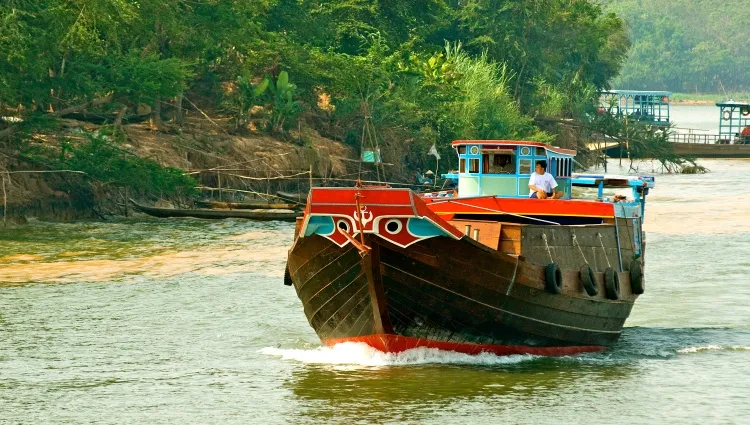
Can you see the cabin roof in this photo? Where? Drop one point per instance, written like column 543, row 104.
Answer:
column 513, row 143
column 638, row 92
column 732, row 103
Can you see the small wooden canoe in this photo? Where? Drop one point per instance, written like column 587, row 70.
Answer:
column 217, row 214
column 258, row 205
column 297, row 198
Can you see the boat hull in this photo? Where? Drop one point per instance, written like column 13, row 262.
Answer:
column 451, row 294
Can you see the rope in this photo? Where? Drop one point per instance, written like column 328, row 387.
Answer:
column 604, row 249
column 575, row 242
column 544, row 237
column 503, row 212
column 45, row 171
column 267, row 178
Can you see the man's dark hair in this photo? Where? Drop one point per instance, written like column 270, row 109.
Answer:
column 543, row 163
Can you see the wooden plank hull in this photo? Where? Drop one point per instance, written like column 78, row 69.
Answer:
column 450, row 294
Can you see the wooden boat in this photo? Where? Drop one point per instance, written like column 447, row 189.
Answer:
column 488, row 270
column 295, row 198
column 217, row 213
column 256, row 205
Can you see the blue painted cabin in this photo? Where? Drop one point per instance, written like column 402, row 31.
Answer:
column 651, row 107
column 502, row 168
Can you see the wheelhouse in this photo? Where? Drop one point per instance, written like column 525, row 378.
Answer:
column 502, row 168
column 734, row 117
column 651, row 107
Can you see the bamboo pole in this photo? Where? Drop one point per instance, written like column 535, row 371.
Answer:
column 5, row 203
column 218, row 178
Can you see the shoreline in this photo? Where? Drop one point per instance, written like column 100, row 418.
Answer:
column 693, row 102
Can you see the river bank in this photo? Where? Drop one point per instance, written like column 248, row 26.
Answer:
column 705, row 98
column 225, row 166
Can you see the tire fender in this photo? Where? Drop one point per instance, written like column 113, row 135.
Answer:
column 588, row 280
column 611, row 284
column 636, row 277
column 553, row 278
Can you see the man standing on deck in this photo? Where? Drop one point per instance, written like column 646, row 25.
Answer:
column 542, row 184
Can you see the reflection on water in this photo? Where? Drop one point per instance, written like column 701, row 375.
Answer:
column 420, row 393
column 113, row 251
column 187, row 321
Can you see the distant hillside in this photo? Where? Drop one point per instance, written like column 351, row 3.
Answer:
column 686, row 45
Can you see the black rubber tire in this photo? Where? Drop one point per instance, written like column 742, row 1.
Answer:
column 636, row 278
column 287, row 276
column 611, row 284
column 588, row 280
column 553, row 278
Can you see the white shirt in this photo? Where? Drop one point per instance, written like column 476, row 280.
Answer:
column 543, row 181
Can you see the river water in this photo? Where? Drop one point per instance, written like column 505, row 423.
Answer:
column 187, row 321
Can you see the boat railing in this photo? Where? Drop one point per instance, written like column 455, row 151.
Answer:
column 699, row 138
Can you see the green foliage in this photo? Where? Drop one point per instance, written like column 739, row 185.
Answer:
column 285, row 109
column 486, row 109
column 276, row 97
column 557, row 41
column 380, row 61
column 105, row 162
column 686, row 46
column 244, row 98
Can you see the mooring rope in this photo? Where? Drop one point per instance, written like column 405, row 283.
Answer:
column 604, row 249
column 544, row 237
column 501, row 212
column 575, row 242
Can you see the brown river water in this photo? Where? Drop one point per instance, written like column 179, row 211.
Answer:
column 187, row 322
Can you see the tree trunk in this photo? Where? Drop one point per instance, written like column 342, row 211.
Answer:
column 179, row 118
column 120, row 115
column 155, row 121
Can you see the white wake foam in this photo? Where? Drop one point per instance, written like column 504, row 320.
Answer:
column 361, row 354
column 713, row 348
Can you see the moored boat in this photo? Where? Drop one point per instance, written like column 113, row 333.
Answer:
column 217, row 214
column 486, row 270
column 248, row 205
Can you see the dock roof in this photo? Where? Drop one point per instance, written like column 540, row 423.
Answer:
column 638, row 92
column 731, row 102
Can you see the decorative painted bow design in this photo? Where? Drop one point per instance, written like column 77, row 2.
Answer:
column 366, row 217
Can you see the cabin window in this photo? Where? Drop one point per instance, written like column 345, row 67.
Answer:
column 485, row 163
column 525, row 150
column 525, row 166
column 474, row 165
column 502, row 164
column 540, row 152
column 462, row 150
column 462, row 165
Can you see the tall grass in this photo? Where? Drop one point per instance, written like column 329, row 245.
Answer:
column 486, row 109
